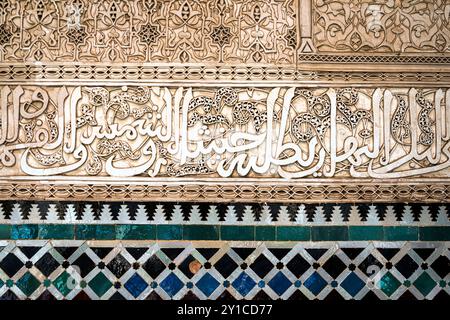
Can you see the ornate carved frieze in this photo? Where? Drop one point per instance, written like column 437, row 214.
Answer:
column 241, row 134
column 232, row 31
column 391, row 26
column 224, row 100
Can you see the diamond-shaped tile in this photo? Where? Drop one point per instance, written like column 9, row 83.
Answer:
column 11, row 264
column 190, row 266
column 28, row 284
column 279, row 283
column 315, row 283
column 389, row 284
column 118, row 266
column 441, row 266
column 406, row 266
column 207, row 284
column 368, row 264
column 136, row 285
column 153, row 266
column 352, row 284
column 261, row 266
column 225, row 266
column 85, row 264
column 64, row 283
column 334, row 266
column 47, row 264
column 243, row 284
column 100, row 284
column 298, row 265
column 171, row 284
column 424, row 283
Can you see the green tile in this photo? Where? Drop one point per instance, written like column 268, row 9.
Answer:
column 389, row 284
column 63, row 283
column 192, row 232
column 100, row 284
column 425, row 283
column 98, row 232
column 329, row 233
column 434, row 233
column 56, row 231
column 365, row 233
column 237, row 233
column 5, row 231
column 265, row 233
column 293, row 233
column 401, row 233
column 169, row 232
column 135, row 232
column 24, row 231
column 28, row 284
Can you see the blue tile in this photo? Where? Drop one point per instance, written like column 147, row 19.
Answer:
column 352, row 284
column 244, row 284
column 171, row 284
column 136, row 285
column 279, row 283
column 207, row 284
column 315, row 283
column 24, row 231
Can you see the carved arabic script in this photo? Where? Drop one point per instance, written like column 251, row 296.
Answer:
column 224, row 132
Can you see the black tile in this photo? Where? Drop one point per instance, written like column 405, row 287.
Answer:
column 190, row 296
column 66, row 252
column 153, row 296
column 334, row 266
column 225, row 266
column 279, row 253
column 172, row 253
column 9, row 295
column 424, row 253
column 316, row 253
column 207, row 253
column 261, row 266
column 117, row 296
column 368, row 263
column 153, row 266
column 185, row 266
column 47, row 264
column 388, row 253
column 29, row 252
column 441, row 266
column 118, row 266
column 406, row 266
column 85, row 264
column 11, row 265
column 243, row 252
column 137, row 253
column 298, row 265
column 102, row 252
column 352, row 253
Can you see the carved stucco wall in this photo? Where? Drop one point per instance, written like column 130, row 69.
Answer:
column 265, row 100
column 224, row 149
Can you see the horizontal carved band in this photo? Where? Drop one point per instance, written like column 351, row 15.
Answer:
column 230, row 192
column 235, row 31
column 225, row 143
column 307, row 74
